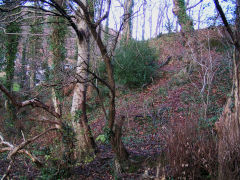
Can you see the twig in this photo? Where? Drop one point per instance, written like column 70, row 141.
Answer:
column 8, row 170
column 25, row 143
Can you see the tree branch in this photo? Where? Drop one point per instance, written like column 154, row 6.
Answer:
column 225, row 22
column 105, row 15
column 194, row 5
column 25, row 143
column 33, row 102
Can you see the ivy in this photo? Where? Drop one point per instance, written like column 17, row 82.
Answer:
column 183, row 17
column 57, row 46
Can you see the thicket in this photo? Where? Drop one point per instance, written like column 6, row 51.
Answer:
column 134, row 64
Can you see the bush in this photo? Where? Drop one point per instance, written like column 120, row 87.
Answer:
column 134, row 64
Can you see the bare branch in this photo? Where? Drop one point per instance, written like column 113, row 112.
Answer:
column 105, row 15
column 194, row 5
column 33, row 102
column 47, row 121
column 25, row 143
column 4, row 30
column 226, row 24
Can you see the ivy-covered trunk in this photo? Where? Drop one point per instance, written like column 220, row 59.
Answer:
column 35, row 46
column 58, row 49
column 190, row 39
column 11, row 51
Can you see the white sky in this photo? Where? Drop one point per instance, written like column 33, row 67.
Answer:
column 207, row 10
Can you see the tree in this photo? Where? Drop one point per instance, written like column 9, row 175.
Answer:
column 35, row 46
column 85, row 142
column 128, row 11
column 180, row 10
column 11, row 51
column 144, row 19
column 228, row 126
column 187, row 30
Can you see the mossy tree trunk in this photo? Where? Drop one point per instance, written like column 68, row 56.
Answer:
column 180, row 10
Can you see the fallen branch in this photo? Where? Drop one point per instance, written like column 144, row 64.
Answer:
column 13, row 150
column 47, row 121
column 25, row 143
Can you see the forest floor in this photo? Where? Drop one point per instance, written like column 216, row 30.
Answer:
column 141, row 134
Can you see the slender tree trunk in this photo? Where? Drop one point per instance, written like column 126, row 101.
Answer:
column 127, row 31
column 113, row 127
column 144, row 19
column 150, row 22
column 85, row 143
column 137, row 26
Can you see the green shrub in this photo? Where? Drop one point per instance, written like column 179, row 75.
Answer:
column 134, row 64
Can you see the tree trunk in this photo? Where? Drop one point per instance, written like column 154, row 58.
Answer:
column 184, row 20
column 128, row 5
column 144, row 19
column 187, row 29
column 85, row 143
column 228, row 128
column 113, row 127
column 11, row 51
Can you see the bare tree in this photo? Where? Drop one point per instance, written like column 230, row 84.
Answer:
column 85, row 142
